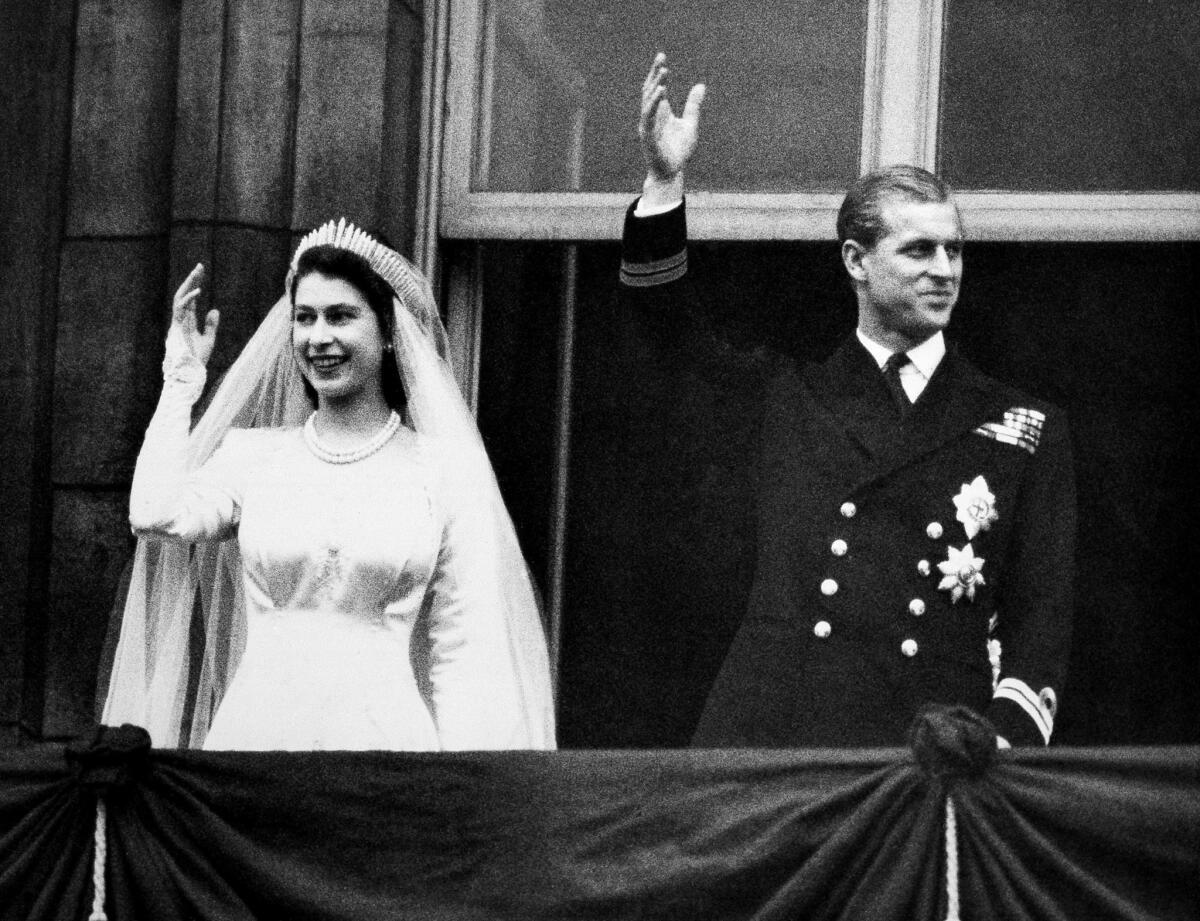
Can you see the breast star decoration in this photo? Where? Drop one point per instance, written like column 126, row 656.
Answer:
column 961, row 573
column 976, row 506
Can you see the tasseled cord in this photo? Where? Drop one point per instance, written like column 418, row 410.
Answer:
column 951, row 743
column 107, row 764
column 98, row 862
column 951, row 862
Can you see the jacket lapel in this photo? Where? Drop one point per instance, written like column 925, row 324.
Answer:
column 957, row 399
column 855, row 409
column 866, row 439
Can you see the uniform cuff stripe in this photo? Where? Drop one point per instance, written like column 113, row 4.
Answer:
column 648, row 267
column 1021, row 694
column 645, row 274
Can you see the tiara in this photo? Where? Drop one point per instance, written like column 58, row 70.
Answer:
column 405, row 281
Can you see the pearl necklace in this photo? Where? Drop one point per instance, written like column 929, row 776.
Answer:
column 366, row 449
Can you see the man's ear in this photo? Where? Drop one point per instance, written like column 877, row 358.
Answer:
column 852, row 258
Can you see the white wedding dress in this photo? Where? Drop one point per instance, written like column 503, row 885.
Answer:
column 359, row 634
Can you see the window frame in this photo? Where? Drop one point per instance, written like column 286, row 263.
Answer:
column 900, row 124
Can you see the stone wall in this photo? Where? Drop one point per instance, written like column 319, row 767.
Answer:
column 154, row 135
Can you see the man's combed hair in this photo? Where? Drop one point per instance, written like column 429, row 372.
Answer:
column 861, row 216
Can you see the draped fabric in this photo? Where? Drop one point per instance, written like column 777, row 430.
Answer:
column 1041, row 834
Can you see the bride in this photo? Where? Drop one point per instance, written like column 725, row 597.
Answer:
column 334, row 520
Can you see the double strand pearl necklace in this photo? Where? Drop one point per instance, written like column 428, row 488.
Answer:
column 366, row 449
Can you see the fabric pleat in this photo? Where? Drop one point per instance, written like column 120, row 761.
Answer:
column 729, row 835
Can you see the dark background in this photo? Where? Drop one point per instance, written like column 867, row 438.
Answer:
column 660, row 546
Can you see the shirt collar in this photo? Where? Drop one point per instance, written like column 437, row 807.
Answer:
column 925, row 357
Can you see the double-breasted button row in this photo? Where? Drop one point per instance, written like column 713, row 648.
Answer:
column 829, row 587
column 916, row 606
column 933, row 531
column 839, row 547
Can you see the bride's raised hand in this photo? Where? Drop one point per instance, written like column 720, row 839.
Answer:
column 668, row 140
column 185, row 329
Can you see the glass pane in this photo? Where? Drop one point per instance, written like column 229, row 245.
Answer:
column 1056, row 95
column 562, row 85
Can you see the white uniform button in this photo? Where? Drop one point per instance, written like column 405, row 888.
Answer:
column 909, row 648
column 829, row 587
column 916, row 607
column 839, row 547
column 934, row 530
column 849, row 509
column 822, row 629
column 923, row 567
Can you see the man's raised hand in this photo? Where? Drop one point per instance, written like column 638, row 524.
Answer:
column 668, row 140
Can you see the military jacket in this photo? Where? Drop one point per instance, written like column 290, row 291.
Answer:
column 900, row 561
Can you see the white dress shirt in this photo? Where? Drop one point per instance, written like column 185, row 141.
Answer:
column 923, row 361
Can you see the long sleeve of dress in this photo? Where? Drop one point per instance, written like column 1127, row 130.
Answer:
column 477, row 704
column 168, row 499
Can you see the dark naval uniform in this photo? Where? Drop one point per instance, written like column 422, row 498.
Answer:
column 900, row 561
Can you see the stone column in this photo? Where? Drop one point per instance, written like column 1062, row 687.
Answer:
column 35, row 56
column 109, row 325
column 212, row 131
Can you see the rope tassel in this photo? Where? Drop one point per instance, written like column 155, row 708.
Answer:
column 951, row 862
column 99, row 861
column 949, row 743
column 106, row 764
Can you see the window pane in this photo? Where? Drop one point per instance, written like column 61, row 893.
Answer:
column 1056, row 95
column 562, row 85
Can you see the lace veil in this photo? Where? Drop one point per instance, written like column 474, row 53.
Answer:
column 158, row 680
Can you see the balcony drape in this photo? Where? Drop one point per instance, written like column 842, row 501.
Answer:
column 1041, row 834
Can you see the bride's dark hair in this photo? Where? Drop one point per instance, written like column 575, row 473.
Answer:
column 353, row 269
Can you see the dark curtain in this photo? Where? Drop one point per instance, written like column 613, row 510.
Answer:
column 1047, row 834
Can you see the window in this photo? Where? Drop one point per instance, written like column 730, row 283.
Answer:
column 1016, row 102
column 1012, row 100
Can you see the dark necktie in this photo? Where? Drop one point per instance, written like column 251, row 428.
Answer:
column 891, row 377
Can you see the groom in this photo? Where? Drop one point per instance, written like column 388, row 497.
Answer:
column 915, row 518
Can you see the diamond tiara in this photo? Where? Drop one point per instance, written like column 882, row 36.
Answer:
column 409, row 285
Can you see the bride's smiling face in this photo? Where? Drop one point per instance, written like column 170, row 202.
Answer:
column 336, row 338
